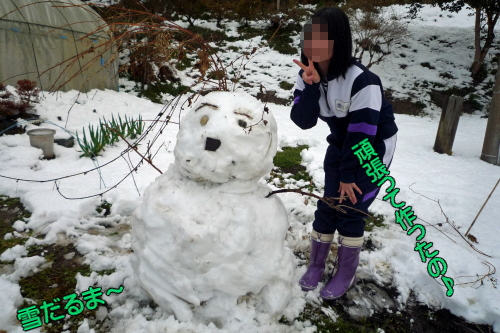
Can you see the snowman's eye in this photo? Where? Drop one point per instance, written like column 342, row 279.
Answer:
column 242, row 123
column 204, row 120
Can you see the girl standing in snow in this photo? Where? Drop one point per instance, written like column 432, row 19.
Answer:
column 333, row 86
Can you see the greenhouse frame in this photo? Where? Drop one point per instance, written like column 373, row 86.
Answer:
column 52, row 37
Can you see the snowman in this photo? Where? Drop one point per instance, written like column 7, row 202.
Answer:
column 206, row 240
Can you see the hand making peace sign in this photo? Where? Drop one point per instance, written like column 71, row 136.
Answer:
column 310, row 74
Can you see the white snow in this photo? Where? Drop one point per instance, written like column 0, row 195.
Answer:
column 14, row 252
column 460, row 182
column 11, row 300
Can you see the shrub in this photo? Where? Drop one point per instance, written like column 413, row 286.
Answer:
column 104, row 208
column 281, row 39
column 375, row 31
column 289, row 159
column 154, row 91
column 28, row 91
column 427, row 65
column 474, row 103
column 12, row 106
column 286, row 85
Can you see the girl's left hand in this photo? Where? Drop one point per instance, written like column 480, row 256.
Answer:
column 348, row 188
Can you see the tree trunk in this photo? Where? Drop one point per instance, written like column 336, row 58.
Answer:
column 480, row 54
column 491, row 144
column 477, row 43
column 219, row 20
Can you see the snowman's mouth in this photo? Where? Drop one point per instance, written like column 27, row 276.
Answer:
column 184, row 167
column 191, row 174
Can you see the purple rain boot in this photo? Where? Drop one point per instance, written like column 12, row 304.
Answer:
column 320, row 248
column 344, row 273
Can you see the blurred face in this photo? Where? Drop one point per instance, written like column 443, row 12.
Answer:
column 314, row 41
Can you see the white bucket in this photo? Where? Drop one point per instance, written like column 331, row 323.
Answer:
column 43, row 138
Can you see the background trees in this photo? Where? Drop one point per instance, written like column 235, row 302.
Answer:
column 487, row 13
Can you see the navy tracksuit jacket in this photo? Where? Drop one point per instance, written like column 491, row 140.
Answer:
column 354, row 108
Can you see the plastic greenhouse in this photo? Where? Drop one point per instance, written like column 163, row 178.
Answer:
column 35, row 36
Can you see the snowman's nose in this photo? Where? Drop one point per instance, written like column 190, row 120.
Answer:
column 212, row 144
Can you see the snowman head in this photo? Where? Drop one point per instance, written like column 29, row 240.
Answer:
column 226, row 136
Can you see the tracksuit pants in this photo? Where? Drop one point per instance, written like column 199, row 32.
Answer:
column 352, row 223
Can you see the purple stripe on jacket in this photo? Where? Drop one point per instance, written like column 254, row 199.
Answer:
column 363, row 127
column 371, row 194
column 296, row 100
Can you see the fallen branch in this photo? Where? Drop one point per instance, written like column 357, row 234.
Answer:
column 327, row 200
column 491, row 271
column 451, row 224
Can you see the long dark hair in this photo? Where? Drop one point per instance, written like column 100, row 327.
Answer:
column 339, row 30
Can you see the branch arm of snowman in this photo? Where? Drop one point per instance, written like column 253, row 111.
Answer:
column 328, row 200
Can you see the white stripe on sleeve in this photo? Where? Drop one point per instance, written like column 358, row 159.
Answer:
column 368, row 97
column 299, row 83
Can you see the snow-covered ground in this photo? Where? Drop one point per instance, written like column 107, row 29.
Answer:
column 460, row 182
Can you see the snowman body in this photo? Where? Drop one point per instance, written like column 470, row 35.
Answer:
column 206, row 234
